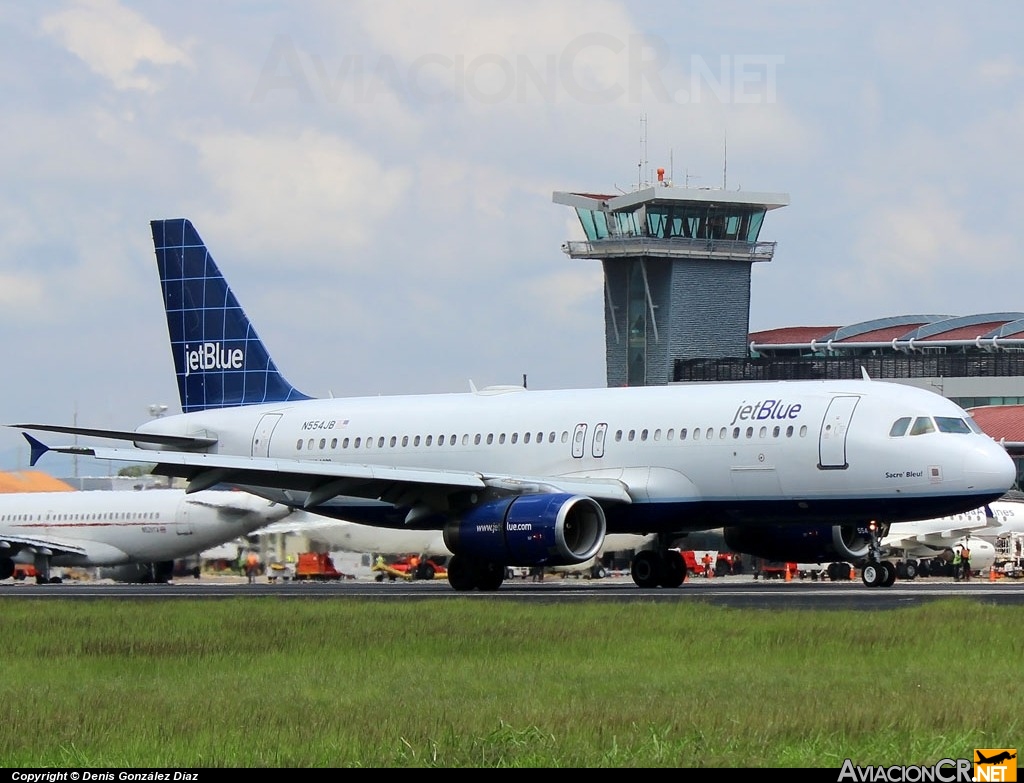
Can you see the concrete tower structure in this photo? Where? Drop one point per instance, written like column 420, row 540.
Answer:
column 677, row 265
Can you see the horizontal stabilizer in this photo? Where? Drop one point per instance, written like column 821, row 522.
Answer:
column 189, row 442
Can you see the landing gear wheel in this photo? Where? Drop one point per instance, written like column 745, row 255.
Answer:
column 911, row 568
column 888, row 574
column 871, row 574
column 461, row 573
column 490, row 576
column 645, row 568
column 673, row 570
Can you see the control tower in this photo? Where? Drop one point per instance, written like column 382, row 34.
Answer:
column 677, row 267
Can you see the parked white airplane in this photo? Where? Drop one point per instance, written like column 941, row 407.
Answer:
column 344, row 536
column 980, row 529
column 911, row 542
column 516, row 477
column 119, row 528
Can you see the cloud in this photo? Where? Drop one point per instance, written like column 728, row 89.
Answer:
column 114, row 41
column 283, row 193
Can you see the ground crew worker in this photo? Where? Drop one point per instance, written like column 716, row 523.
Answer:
column 707, row 560
column 956, row 564
column 252, row 566
column 965, row 563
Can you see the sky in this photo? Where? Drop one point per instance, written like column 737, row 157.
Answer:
column 375, row 179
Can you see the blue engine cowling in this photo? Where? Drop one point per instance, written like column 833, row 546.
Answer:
column 801, row 543
column 526, row 530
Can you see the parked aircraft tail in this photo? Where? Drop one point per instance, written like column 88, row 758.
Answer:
column 219, row 359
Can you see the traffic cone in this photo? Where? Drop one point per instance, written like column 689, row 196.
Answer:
column 992, row 573
column 789, row 574
column 853, row 573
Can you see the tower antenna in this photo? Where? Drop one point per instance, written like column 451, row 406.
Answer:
column 725, row 157
column 642, row 166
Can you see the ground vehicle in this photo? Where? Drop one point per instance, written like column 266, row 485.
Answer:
column 317, row 567
column 409, row 568
column 728, row 563
column 774, row 569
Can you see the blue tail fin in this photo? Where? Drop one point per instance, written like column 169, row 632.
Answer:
column 218, row 357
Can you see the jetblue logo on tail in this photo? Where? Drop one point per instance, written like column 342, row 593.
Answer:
column 213, row 356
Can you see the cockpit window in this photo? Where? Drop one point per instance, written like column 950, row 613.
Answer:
column 922, row 424
column 899, row 427
column 974, row 426
column 951, row 424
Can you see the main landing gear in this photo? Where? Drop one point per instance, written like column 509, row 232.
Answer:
column 659, row 567
column 877, row 572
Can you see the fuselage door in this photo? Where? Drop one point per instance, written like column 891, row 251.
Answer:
column 182, row 522
column 579, row 439
column 599, row 432
column 261, row 437
column 834, row 427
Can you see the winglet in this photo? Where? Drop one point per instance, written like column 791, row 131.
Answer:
column 38, row 449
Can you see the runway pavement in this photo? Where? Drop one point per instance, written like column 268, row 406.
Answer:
column 733, row 591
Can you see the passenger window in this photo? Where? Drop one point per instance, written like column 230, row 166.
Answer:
column 922, row 425
column 750, row 433
column 515, row 437
column 899, row 427
column 405, row 441
column 428, row 440
column 735, row 433
column 682, row 433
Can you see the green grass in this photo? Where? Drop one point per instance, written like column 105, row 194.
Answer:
column 459, row 683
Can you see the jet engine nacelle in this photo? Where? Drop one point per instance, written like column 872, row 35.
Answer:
column 527, row 530
column 801, row 543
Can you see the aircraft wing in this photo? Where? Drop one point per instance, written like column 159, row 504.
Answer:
column 326, row 480
column 11, row 545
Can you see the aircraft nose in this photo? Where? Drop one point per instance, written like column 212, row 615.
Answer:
column 990, row 468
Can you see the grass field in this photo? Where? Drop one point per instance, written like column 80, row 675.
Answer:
column 267, row 682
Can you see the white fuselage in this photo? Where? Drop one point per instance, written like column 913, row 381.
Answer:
column 697, row 456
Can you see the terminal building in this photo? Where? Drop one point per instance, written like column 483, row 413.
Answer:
column 677, row 273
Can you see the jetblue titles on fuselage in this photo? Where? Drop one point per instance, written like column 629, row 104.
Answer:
column 766, row 410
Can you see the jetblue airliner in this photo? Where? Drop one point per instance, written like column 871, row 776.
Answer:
column 521, row 478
